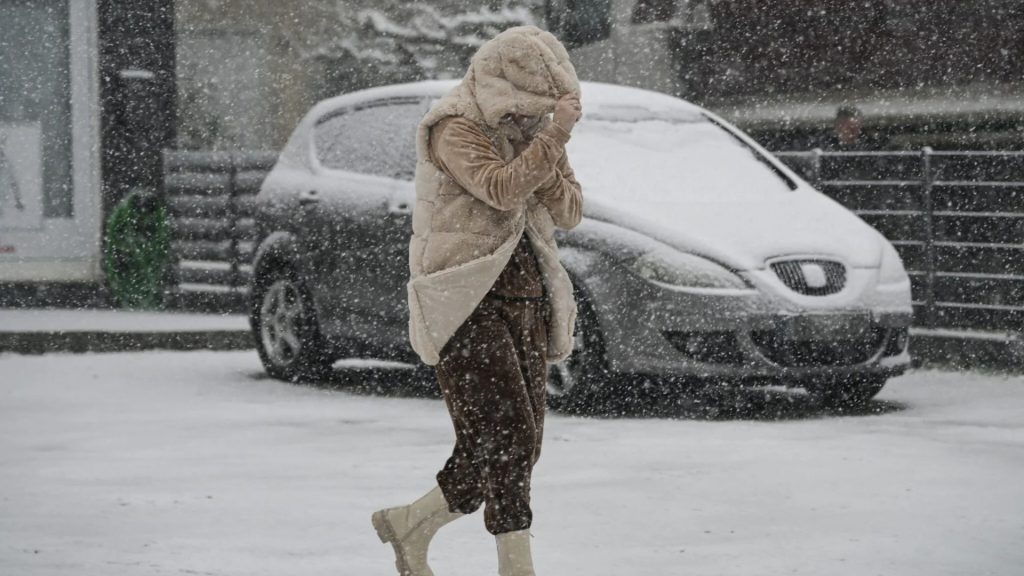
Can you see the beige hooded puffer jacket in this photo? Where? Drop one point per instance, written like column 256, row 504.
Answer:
column 461, row 242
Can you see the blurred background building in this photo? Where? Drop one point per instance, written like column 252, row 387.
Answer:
column 92, row 91
column 944, row 73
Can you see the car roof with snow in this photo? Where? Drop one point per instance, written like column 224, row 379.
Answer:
column 598, row 99
column 594, row 94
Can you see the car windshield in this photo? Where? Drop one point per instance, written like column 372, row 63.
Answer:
column 633, row 154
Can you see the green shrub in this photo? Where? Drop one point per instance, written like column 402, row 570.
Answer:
column 137, row 251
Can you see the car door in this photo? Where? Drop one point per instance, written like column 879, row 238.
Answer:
column 355, row 219
column 393, row 256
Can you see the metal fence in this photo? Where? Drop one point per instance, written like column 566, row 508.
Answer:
column 210, row 196
column 957, row 219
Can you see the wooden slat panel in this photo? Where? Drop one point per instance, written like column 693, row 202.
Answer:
column 207, row 161
column 190, row 275
column 212, row 206
column 197, row 183
column 199, row 206
column 245, row 229
column 196, row 160
column 201, row 229
column 211, row 229
column 245, row 206
column 257, row 160
column 217, row 276
column 246, row 250
column 200, row 250
column 249, row 181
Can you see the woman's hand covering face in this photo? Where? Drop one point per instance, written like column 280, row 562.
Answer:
column 568, row 110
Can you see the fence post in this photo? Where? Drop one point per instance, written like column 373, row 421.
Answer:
column 931, row 263
column 233, row 219
column 816, row 168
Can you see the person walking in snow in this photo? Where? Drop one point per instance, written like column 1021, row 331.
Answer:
column 490, row 304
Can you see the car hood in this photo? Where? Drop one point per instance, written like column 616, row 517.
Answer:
column 745, row 232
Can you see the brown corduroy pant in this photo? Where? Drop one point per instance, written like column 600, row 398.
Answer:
column 493, row 376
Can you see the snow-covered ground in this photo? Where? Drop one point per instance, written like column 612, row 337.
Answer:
column 195, row 463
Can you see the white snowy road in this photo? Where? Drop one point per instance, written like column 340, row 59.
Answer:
column 193, row 463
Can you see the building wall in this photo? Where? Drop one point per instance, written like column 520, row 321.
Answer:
column 247, row 71
column 241, row 83
column 945, row 73
column 137, row 93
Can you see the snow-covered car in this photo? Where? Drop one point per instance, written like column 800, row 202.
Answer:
column 700, row 256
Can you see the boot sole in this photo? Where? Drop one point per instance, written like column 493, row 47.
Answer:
column 386, row 533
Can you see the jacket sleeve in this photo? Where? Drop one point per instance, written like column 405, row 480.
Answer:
column 466, row 154
column 563, row 195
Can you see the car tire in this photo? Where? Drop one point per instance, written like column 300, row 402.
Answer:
column 581, row 382
column 285, row 327
column 848, row 393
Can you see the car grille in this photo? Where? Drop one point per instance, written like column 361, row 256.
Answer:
column 793, row 353
column 791, row 272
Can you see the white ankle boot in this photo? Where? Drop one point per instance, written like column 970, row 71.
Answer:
column 514, row 558
column 410, row 528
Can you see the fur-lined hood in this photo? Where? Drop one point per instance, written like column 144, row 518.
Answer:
column 468, row 242
column 523, row 70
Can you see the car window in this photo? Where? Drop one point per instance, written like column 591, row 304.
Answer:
column 378, row 138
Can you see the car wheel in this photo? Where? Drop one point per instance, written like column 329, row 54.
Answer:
column 848, row 393
column 285, row 327
column 579, row 382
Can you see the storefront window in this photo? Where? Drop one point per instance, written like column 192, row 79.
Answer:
column 35, row 113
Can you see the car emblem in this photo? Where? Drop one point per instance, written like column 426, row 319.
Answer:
column 814, row 275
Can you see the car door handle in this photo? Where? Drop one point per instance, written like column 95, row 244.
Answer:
column 309, row 197
column 399, row 208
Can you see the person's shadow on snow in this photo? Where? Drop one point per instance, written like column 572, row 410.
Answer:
column 643, row 399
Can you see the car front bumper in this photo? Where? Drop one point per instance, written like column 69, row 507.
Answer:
column 749, row 335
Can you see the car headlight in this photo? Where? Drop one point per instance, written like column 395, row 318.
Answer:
column 674, row 270
column 891, row 270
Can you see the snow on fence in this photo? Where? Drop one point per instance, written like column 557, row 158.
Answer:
column 956, row 218
column 211, row 197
